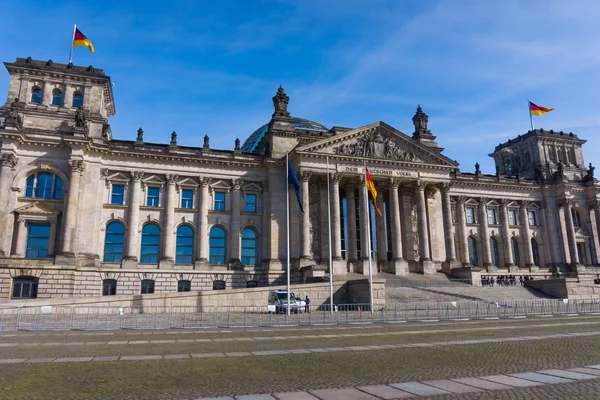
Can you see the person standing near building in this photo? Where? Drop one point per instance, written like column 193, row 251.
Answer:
column 307, row 305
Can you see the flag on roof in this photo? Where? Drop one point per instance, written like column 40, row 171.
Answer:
column 534, row 109
column 79, row 39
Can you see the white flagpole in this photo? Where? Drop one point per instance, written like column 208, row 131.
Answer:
column 287, row 197
column 369, row 242
column 329, row 229
column 530, row 116
column 72, row 40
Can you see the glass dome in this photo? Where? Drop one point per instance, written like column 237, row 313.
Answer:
column 303, row 126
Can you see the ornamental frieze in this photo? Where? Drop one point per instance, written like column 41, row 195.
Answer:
column 376, row 146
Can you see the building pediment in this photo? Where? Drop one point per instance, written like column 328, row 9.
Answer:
column 38, row 210
column 378, row 141
column 187, row 182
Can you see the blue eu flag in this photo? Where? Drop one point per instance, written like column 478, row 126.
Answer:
column 293, row 180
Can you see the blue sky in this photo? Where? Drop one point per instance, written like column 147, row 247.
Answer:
column 207, row 67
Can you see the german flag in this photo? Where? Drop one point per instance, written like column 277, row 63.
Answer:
column 373, row 191
column 537, row 110
column 79, row 39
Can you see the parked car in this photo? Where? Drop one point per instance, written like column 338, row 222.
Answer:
column 278, row 302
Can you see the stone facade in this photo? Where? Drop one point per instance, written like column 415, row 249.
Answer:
column 79, row 209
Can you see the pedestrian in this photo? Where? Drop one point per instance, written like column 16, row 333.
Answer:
column 307, row 305
column 521, row 280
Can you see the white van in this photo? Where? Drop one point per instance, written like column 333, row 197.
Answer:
column 278, row 302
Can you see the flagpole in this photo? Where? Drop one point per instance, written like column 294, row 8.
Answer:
column 72, row 40
column 369, row 242
column 329, row 229
column 287, row 202
column 530, row 116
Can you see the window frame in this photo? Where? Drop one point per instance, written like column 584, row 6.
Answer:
column 32, row 190
column 473, row 251
column 514, row 221
column 179, row 258
column 147, row 286
column 247, row 260
column 217, row 258
column 183, row 203
column 56, row 91
column 492, row 215
column 150, row 257
column 113, row 259
column 36, row 90
column 218, row 204
column 112, row 194
column 470, row 215
column 184, row 285
column 109, row 287
column 255, row 203
column 532, row 217
column 31, row 281
column 38, row 250
column 151, row 199
column 516, row 251
column 75, row 94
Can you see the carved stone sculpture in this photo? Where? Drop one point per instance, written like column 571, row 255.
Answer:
column 174, row 138
column 206, row 145
column 280, row 102
column 237, row 148
column 140, row 135
column 376, row 146
column 13, row 116
column 80, row 118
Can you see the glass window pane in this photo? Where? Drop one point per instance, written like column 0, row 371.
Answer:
column 187, row 197
column 57, row 98
column 77, row 100
column 36, row 95
column 113, row 244
column 219, row 201
column 184, row 286
column 250, row 203
column 117, row 196
column 150, row 243
column 153, row 197
column 38, row 236
column 58, row 188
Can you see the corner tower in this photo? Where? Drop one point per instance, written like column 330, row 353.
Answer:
column 50, row 96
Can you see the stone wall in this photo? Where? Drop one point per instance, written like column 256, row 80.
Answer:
column 346, row 292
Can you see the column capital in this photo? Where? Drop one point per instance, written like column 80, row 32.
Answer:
column 305, row 176
column 9, row 160
column 565, row 202
column 76, row 166
column 430, row 191
column 21, row 220
column 461, row 200
column 594, row 204
column 525, row 204
column 445, row 187
column 172, row 178
column 483, row 200
column 104, row 172
column 237, row 183
column 336, row 177
column 505, row 202
column 395, row 183
column 421, row 185
column 136, row 176
column 205, row 181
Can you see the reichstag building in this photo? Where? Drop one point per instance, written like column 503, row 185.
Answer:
column 83, row 214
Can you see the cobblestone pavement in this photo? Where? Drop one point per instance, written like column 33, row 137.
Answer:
column 187, row 365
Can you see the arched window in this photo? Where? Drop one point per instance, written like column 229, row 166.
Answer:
column 44, row 185
column 150, row 244
column 472, row 242
column 25, row 287
column 57, row 97
column 515, row 250
column 185, row 245
column 36, row 95
column 77, row 100
column 495, row 252
column 576, row 218
column 249, row 246
column 147, row 286
column 535, row 251
column 113, row 242
column 184, row 286
column 218, row 238
column 109, row 287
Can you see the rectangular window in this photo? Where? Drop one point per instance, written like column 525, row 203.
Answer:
column 219, row 201
column 470, row 215
column 109, row 287
column 187, row 198
column 492, row 220
column 251, row 203
column 118, row 194
column 38, row 238
column 512, row 217
column 532, row 218
column 153, row 196
column 147, row 286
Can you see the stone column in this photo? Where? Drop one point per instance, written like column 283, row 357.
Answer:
column 47, row 93
column 202, row 244
column 69, row 233
column 9, row 161
column 381, row 239
column 19, row 249
column 399, row 266
column 336, row 229
column 168, row 236
column 595, row 229
column 462, row 231
column 350, row 190
column 509, row 261
column 427, row 265
column 52, row 239
column 306, row 253
column 526, row 234
column 567, row 206
column 133, row 216
column 234, row 246
column 448, row 235
column 364, row 227
column 485, row 236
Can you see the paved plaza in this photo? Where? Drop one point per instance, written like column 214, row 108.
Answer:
column 544, row 358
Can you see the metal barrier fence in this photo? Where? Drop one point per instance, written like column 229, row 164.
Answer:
column 139, row 318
